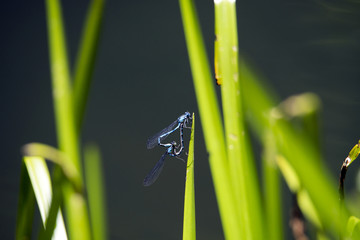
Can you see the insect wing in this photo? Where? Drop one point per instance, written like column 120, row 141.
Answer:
column 155, row 172
column 153, row 141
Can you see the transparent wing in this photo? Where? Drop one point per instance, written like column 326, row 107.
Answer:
column 155, row 172
column 153, row 141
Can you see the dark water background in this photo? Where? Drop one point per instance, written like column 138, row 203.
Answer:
column 142, row 82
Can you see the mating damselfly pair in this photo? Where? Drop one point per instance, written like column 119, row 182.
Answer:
column 172, row 149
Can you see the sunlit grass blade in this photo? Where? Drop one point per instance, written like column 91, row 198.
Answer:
column 294, row 183
column 210, row 119
column 241, row 164
column 84, row 66
column 56, row 202
column 62, row 94
column 96, row 192
column 26, row 206
column 75, row 206
column 41, row 183
column 272, row 189
column 189, row 224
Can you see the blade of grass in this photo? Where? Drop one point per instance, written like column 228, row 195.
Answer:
column 63, row 103
column 242, row 166
column 272, row 190
column 56, row 202
column 189, row 225
column 76, row 211
column 41, row 183
column 211, row 121
column 26, row 206
column 303, row 199
column 86, row 58
column 95, row 190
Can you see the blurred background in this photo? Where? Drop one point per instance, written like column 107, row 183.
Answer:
column 142, row 82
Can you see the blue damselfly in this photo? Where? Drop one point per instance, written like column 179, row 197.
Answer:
column 172, row 149
column 180, row 122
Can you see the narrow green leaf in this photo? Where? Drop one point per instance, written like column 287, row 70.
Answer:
column 56, row 202
column 289, row 174
column 86, row 58
column 63, row 102
column 26, row 206
column 96, row 192
column 210, row 119
column 241, row 164
column 41, row 183
column 294, row 183
column 272, row 190
column 75, row 205
column 189, row 225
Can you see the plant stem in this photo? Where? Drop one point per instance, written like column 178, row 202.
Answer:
column 241, row 164
column 86, row 58
column 211, row 121
column 75, row 206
